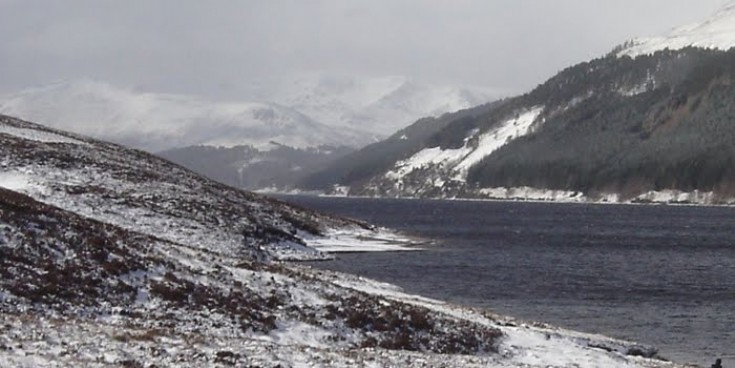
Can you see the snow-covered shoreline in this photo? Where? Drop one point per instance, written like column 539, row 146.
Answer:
column 362, row 241
column 651, row 198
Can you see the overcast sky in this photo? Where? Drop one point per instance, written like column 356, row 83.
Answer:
column 217, row 47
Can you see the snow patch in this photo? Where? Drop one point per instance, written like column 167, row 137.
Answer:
column 533, row 194
column 498, row 137
column 676, row 196
column 37, row 135
column 360, row 240
column 717, row 32
column 15, row 181
column 303, row 335
column 666, row 196
column 634, row 91
column 475, row 148
column 548, row 195
column 426, row 157
column 340, row 190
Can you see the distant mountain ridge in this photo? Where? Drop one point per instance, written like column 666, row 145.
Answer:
column 379, row 105
column 306, row 112
column 156, row 122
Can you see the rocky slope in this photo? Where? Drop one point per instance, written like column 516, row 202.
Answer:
column 657, row 127
column 112, row 257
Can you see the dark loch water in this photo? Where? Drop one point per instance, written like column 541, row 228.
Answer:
column 661, row 275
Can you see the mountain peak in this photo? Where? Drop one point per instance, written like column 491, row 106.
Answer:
column 715, row 32
column 379, row 104
column 159, row 121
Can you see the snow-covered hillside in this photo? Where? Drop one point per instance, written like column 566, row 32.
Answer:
column 380, row 105
column 144, row 194
column 717, row 32
column 156, row 122
column 112, row 257
column 476, row 147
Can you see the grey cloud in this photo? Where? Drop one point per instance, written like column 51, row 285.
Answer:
column 217, row 47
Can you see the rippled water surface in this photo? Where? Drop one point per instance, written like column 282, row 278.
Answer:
column 661, row 275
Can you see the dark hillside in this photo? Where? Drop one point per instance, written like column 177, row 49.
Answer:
column 613, row 125
column 678, row 135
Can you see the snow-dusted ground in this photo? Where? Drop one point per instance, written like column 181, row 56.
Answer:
column 717, row 32
column 59, row 341
column 112, row 257
column 152, row 202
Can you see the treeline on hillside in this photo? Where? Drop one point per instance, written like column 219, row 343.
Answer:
column 679, row 135
column 599, row 76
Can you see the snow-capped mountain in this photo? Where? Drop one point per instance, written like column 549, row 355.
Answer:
column 717, row 32
column 657, row 127
column 113, row 257
column 380, row 105
column 156, row 122
column 307, row 111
